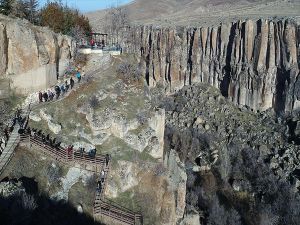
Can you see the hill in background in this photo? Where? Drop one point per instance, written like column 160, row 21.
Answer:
column 199, row 12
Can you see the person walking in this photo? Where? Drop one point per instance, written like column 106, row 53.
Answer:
column 62, row 88
column 72, row 82
column 57, row 91
column 67, row 85
column 49, row 95
column 106, row 159
column 45, row 95
column 40, row 97
column 102, row 176
column 81, row 150
column 99, row 186
column 78, row 75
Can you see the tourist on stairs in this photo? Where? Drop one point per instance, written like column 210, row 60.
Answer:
column 102, row 176
column 106, row 159
column 99, row 186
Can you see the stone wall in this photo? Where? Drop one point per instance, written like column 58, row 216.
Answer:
column 31, row 56
column 254, row 63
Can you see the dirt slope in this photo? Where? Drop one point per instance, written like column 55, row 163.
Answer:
column 200, row 12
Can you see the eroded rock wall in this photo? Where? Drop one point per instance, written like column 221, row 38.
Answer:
column 254, row 63
column 32, row 56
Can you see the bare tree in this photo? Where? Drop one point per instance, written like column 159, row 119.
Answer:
column 80, row 37
column 116, row 19
column 32, row 7
column 28, row 202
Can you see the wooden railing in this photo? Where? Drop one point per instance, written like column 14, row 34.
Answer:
column 13, row 141
column 102, row 207
column 107, row 208
column 61, row 154
column 8, row 152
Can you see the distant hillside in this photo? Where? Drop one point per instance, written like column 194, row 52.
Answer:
column 179, row 12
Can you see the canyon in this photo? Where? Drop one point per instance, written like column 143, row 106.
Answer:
column 202, row 120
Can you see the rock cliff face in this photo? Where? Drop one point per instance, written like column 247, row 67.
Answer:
column 254, row 63
column 32, row 56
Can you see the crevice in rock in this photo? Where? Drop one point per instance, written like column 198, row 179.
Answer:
column 148, row 59
column 6, row 43
column 224, row 86
column 282, row 81
column 190, row 54
column 57, row 56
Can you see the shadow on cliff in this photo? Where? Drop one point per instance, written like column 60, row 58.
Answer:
column 31, row 208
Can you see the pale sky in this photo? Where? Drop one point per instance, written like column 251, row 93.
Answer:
column 90, row 5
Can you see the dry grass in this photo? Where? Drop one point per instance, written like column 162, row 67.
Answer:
column 199, row 13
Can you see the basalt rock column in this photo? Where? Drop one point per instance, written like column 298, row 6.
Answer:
column 253, row 63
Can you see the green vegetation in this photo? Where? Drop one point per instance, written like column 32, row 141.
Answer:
column 60, row 18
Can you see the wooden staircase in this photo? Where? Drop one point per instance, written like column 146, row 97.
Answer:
column 103, row 208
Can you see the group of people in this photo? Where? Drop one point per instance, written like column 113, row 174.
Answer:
column 46, row 139
column 59, row 90
column 54, row 143
column 101, row 180
column 8, row 130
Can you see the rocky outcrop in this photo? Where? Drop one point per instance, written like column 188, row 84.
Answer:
column 234, row 151
column 254, row 63
column 32, row 56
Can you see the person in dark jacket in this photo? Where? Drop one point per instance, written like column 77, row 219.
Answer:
column 72, row 82
column 40, row 97
column 106, row 159
column 99, row 186
column 57, row 91
column 81, row 150
column 62, row 88
column 45, row 96
column 67, row 86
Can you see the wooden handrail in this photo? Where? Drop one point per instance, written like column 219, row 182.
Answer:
column 102, row 206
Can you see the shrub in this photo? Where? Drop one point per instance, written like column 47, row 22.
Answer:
column 28, row 202
column 94, row 102
column 80, row 59
column 54, row 173
column 129, row 71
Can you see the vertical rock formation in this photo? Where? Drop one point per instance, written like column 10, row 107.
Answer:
column 31, row 56
column 253, row 63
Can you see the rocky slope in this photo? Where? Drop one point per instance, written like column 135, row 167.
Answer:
column 254, row 63
column 242, row 167
column 32, row 56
